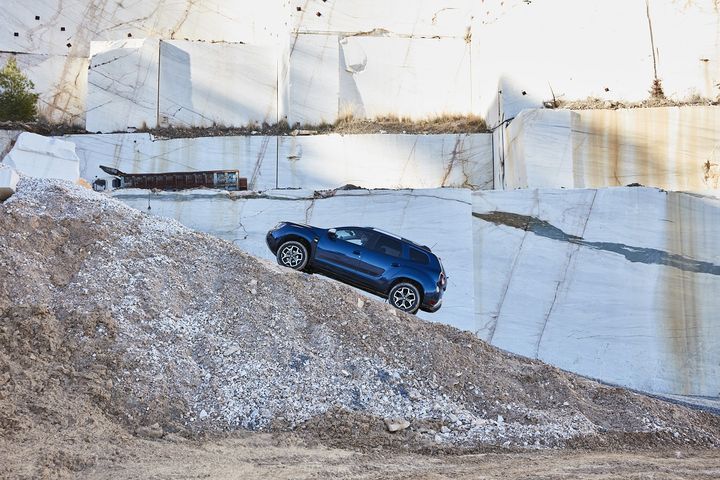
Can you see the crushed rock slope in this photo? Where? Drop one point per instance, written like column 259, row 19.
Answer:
column 165, row 330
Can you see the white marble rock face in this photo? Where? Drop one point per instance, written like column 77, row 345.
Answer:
column 123, row 85
column 44, row 157
column 246, row 221
column 333, row 77
column 385, row 161
column 415, row 78
column 674, row 148
column 310, row 162
column 55, row 41
column 8, row 181
column 618, row 284
column 79, row 22
column 602, row 51
column 313, row 79
column 214, row 84
column 540, row 150
column 419, row 18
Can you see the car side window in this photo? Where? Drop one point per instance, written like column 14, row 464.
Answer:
column 418, row 256
column 388, row 246
column 356, row 236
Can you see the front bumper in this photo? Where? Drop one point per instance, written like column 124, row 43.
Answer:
column 272, row 242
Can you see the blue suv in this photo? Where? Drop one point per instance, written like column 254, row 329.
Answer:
column 409, row 275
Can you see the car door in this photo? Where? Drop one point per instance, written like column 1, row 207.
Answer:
column 378, row 258
column 340, row 253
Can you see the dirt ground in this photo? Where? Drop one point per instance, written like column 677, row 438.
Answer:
column 253, row 458
column 285, row 456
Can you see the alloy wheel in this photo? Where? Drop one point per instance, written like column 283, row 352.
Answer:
column 404, row 298
column 292, row 255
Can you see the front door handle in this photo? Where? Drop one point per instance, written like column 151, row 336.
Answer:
column 356, row 252
column 394, row 264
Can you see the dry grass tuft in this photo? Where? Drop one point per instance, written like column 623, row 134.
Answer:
column 594, row 103
column 348, row 124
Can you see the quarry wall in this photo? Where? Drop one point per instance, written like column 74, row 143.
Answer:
column 610, row 50
column 313, row 161
column 618, row 283
column 230, row 63
column 674, row 148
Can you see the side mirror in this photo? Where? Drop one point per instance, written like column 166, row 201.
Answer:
column 332, row 234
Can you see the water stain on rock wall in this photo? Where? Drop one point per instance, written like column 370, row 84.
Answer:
column 667, row 147
column 689, row 305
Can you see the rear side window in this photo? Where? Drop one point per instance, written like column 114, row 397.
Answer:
column 418, row 256
column 388, row 246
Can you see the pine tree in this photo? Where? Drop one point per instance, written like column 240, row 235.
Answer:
column 17, row 101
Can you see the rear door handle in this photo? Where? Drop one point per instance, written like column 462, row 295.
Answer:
column 356, row 252
column 394, row 264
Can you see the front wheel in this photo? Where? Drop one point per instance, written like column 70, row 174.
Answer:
column 292, row 254
column 405, row 296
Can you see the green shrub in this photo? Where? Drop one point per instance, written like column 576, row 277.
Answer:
column 17, row 101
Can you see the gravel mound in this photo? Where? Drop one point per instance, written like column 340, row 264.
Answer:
column 160, row 330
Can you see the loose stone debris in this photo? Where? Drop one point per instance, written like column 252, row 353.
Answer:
column 396, row 424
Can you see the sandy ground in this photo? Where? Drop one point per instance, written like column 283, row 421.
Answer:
column 281, row 456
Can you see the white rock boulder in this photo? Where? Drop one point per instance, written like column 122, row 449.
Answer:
column 8, row 180
column 43, row 157
column 396, row 424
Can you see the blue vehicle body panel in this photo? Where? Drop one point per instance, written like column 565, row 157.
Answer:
column 366, row 263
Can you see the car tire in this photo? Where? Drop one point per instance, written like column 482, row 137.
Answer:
column 292, row 254
column 405, row 296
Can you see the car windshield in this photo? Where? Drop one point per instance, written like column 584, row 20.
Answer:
column 357, row 236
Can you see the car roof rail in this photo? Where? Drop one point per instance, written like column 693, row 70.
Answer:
column 388, row 233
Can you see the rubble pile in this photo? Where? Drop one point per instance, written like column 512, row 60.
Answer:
column 168, row 331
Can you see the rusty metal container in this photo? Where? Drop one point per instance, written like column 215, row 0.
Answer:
column 219, row 179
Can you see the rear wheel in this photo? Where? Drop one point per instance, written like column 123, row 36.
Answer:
column 292, row 254
column 405, row 296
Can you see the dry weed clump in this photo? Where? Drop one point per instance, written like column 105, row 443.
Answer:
column 595, row 103
column 347, row 124
column 446, row 123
